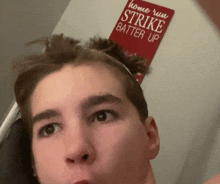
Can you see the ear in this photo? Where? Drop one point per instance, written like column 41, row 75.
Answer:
column 153, row 137
column 34, row 171
column 213, row 180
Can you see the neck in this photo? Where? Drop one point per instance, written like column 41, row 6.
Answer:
column 150, row 177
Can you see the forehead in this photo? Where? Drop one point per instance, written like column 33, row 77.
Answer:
column 76, row 83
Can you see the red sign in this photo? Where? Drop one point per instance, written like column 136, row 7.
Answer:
column 140, row 28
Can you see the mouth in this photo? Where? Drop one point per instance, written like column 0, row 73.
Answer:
column 85, row 182
column 82, row 182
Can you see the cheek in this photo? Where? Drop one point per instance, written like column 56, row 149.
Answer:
column 122, row 154
column 47, row 158
column 123, row 144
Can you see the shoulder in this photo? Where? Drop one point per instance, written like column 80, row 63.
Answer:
column 213, row 180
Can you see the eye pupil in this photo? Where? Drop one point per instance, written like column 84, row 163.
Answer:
column 101, row 117
column 49, row 129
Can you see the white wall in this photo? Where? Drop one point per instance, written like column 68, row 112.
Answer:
column 183, row 90
column 20, row 22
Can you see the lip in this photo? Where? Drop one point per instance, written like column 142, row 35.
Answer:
column 82, row 182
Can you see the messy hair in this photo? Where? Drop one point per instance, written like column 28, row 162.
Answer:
column 60, row 50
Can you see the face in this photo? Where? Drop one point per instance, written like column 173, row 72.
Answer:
column 86, row 129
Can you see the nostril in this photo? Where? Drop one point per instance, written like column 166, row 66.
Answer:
column 70, row 160
column 85, row 157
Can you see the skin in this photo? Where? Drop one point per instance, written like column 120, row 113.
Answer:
column 214, row 180
column 85, row 128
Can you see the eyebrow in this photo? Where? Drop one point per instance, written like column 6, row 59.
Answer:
column 47, row 114
column 89, row 102
column 99, row 99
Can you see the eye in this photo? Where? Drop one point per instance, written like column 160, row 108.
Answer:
column 48, row 130
column 104, row 115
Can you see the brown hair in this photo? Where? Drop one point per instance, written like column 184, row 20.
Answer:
column 61, row 50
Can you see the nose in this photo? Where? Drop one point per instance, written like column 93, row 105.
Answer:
column 79, row 148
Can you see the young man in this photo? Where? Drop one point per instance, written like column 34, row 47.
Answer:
column 87, row 115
